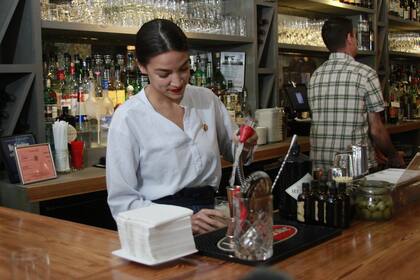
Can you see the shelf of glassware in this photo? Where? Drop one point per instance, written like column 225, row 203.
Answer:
column 394, row 54
column 309, row 7
column 93, row 32
column 291, row 48
column 398, row 24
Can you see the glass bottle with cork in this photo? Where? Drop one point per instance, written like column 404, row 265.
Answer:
column 331, row 204
column 303, row 213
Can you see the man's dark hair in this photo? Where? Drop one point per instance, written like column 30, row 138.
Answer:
column 335, row 31
column 158, row 36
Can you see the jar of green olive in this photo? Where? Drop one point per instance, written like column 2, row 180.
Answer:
column 374, row 201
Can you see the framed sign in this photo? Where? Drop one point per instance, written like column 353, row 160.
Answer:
column 7, row 153
column 35, row 163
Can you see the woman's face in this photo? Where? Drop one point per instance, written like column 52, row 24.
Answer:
column 169, row 74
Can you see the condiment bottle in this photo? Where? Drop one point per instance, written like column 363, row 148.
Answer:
column 314, row 202
column 303, row 207
column 321, row 204
column 332, row 206
column 343, row 206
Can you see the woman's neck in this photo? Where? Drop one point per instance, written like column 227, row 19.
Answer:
column 159, row 102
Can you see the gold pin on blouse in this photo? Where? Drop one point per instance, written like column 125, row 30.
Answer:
column 205, row 127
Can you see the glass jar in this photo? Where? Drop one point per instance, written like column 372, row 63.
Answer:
column 374, row 201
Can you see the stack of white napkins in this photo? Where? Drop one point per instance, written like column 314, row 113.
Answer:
column 156, row 233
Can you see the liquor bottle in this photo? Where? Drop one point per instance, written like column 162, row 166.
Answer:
column 107, row 104
column 230, row 101
column 50, row 111
column 106, row 113
column 296, row 167
column 313, row 194
column 331, row 204
column 394, row 105
column 406, row 10
column 85, row 79
column 402, row 9
column 321, row 204
column 218, row 80
column 65, row 116
column 343, row 206
column 107, row 72
column 413, row 10
column 98, row 84
column 121, row 63
column 209, row 74
column 245, row 109
column 198, row 74
column 130, row 74
column 371, row 44
column 67, row 61
column 69, row 97
column 50, row 97
column 137, row 82
column 392, row 8
column 363, row 33
column 192, row 70
column 303, row 211
column 58, row 87
column 119, row 87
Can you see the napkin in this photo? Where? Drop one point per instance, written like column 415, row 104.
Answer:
column 156, row 233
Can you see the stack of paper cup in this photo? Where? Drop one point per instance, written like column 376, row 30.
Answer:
column 272, row 118
column 262, row 135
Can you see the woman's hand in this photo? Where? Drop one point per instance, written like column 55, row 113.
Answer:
column 207, row 220
column 249, row 143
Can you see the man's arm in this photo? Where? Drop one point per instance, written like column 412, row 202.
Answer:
column 382, row 141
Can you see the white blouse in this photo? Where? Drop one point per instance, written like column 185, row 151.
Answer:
column 150, row 157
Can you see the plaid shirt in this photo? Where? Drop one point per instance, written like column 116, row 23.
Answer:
column 341, row 92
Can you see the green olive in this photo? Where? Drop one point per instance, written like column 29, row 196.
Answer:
column 389, row 203
column 380, row 206
column 371, row 207
column 361, row 202
column 377, row 215
column 387, row 213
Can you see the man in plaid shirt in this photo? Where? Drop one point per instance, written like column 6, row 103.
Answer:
column 346, row 101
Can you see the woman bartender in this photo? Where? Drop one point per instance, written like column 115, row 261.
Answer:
column 164, row 143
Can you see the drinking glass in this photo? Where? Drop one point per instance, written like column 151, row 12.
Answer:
column 221, row 204
column 253, row 233
column 30, row 264
column 344, row 163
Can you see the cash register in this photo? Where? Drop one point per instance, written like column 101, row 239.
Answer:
column 297, row 109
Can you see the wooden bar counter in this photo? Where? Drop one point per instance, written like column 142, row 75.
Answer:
column 27, row 197
column 367, row 250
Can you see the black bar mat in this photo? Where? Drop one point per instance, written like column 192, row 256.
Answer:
column 305, row 237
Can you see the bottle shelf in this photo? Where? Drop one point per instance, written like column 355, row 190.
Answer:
column 326, row 7
column 399, row 24
column 88, row 33
column 298, row 49
column 394, row 54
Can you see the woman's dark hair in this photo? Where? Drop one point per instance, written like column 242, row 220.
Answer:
column 158, row 36
column 334, row 32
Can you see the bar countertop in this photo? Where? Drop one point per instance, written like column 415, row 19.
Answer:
column 92, row 179
column 367, row 250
